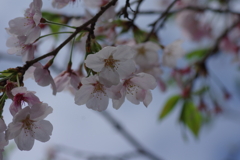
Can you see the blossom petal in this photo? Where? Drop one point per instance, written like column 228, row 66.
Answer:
column 126, row 68
column 123, row 53
column 118, row 102
column 83, row 94
column 40, row 111
column 43, row 130
column 94, row 62
column 13, row 130
column 24, row 140
column 145, row 81
column 3, row 126
column 33, row 35
column 109, row 77
column 19, row 90
column 148, row 98
column 98, row 103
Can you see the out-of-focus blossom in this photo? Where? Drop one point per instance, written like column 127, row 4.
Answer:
column 61, row 3
column 146, row 54
column 192, row 26
column 172, row 53
column 95, row 3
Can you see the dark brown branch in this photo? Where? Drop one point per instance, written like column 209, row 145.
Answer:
column 215, row 48
column 136, row 11
column 78, row 29
column 193, row 8
column 165, row 13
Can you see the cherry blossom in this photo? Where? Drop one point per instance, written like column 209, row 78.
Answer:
column 43, row 77
column 136, row 88
column 94, row 94
column 95, row 3
column 146, row 54
column 3, row 141
column 65, row 79
column 112, row 63
column 8, row 88
column 21, row 95
column 172, row 53
column 193, row 27
column 17, row 46
column 61, row 3
column 28, row 25
column 28, row 124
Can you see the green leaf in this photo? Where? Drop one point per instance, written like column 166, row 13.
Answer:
column 197, row 54
column 201, row 90
column 191, row 117
column 169, row 105
column 141, row 35
column 54, row 18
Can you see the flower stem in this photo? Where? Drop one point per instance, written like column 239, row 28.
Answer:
column 18, row 81
column 60, row 24
column 70, row 59
column 51, row 34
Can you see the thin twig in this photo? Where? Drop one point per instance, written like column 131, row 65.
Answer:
column 78, row 29
column 165, row 13
column 128, row 136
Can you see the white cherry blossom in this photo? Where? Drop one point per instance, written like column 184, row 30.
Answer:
column 21, row 95
column 136, row 88
column 94, row 94
column 61, row 3
column 28, row 125
column 95, row 3
column 43, row 77
column 146, row 54
column 172, row 53
column 17, row 46
column 112, row 63
column 66, row 79
column 3, row 140
column 28, row 25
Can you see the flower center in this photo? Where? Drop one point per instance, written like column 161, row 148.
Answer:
column 19, row 99
column 141, row 51
column 130, row 87
column 28, row 123
column 98, row 87
column 110, row 62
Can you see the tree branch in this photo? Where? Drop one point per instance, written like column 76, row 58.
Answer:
column 128, row 136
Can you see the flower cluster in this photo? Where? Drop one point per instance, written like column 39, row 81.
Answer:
column 24, row 31
column 28, row 122
column 116, row 78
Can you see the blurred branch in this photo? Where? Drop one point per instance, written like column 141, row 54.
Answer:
column 128, row 136
column 92, row 156
column 164, row 14
column 215, row 47
column 193, row 8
